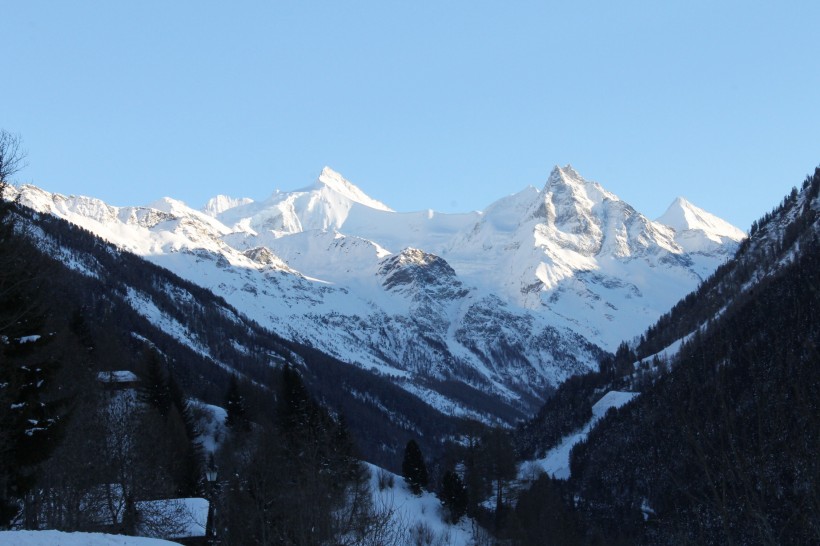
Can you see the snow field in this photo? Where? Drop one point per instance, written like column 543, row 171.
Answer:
column 59, row 538
column 556, row 462
column 410, row 514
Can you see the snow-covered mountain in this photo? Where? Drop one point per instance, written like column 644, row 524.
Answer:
column 727, row 403
column 698, row 231
column 509, row 300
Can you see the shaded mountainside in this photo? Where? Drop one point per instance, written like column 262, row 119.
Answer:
column 129, row 305
column 84, row 450
column 722, row 449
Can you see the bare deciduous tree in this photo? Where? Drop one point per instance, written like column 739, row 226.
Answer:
column 12, row 156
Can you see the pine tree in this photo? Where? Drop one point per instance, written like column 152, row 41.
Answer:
column 413, row 468
column 499, row 456
column 454, row 496
column 155, row 391
column 235, row 406
column 191, row 459
column 297, row 413
column 183, row 458
column 624, row 357
column 30, row 425
column 544, row 517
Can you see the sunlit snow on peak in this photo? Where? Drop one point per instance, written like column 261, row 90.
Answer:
column 551, row 276
column 697, row 230
column 682, row 215
column 169, row 205
column 339, row 184
column 221, row 203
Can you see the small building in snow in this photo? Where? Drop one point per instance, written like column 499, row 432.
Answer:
column 118, row 380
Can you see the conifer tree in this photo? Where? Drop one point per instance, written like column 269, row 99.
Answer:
column 191, row 458
column 235, row 406
column 183, row 454
column 454, row 496
column 155, row 389
column 297, row 413
column 413, row 468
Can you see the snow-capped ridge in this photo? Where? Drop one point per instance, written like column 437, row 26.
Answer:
column 220, row 203
column 515, row 298
column 325, row 205
column 170, row 205
column 682, row 215
column 560, row 174
column 566, row 180
column 697, row 230
column 339, row 184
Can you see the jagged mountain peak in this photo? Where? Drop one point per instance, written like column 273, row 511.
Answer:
column 416, row 256
column 220, row 203
column 417, row 271
column 567, row 172
column 683, row 216
column 581, row 215
column 336, row 182
column 567, row 181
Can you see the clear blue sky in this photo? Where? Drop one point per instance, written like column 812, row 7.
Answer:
column 442, row 104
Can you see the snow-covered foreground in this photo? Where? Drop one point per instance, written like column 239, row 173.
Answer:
column 416, row 519
column 59, row 538
column 556, row 462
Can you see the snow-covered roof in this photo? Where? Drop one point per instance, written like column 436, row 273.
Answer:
column 119, row 376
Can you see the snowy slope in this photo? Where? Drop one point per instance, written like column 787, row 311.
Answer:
column 556, row 461
column 59, row 538
column 509, row 300
column 697, row 230
column 412, row 518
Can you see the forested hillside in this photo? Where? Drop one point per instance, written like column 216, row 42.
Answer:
column 77, row 455
column 773, row 240
column 84, row 283
column 724, row 448
column 721, row 447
